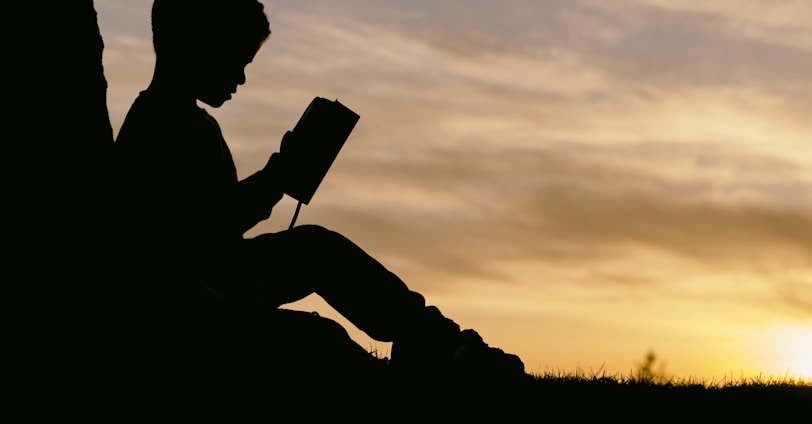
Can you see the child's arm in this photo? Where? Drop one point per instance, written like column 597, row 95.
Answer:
column 259, row 193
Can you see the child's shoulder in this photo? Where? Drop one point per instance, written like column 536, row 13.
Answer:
column 153, row 113
column 155, row 123
column 161, row 106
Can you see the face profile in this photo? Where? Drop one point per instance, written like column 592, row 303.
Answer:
column 203, row 46
column 220, row 73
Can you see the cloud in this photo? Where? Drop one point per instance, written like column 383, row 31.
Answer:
column 455, row 217
column 128, row 64
column 128, row 18
column 783, row 23
column 797, row 293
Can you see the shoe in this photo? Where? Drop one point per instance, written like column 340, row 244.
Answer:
column 474, row 358
column 429, row 344
column 437, row 348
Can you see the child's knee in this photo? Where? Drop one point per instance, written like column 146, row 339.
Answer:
column 309, row 231
column 316, row 235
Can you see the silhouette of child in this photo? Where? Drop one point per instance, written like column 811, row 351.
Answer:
column 181, row 197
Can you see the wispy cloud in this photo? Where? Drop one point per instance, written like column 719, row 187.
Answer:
column 783, row 22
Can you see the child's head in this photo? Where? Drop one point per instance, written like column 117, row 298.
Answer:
column 209, row 42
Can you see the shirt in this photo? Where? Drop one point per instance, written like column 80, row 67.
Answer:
column 181, row 208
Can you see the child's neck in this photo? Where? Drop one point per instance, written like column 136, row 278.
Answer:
column 171, row 86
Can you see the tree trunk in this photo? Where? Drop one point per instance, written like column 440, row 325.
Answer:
column 58, row 142
column 62, row 140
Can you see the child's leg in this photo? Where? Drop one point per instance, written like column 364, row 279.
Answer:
column 311, row 259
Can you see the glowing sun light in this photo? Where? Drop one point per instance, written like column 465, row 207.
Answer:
column 795, row 350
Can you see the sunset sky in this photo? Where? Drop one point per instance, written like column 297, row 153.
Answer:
column 580, row 181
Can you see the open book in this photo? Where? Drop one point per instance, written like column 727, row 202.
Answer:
column 319, row 136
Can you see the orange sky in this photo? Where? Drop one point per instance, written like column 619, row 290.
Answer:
column 580, row 181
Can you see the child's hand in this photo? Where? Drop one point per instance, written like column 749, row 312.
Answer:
column 287, row 141
column 275, row 168
column 273, row 175
column 278, row 163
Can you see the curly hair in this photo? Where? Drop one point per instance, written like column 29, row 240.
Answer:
column 181, row 26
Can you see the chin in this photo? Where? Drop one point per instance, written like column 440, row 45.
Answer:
column 215, row 101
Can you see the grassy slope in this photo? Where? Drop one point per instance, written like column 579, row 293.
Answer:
column 549, row 398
